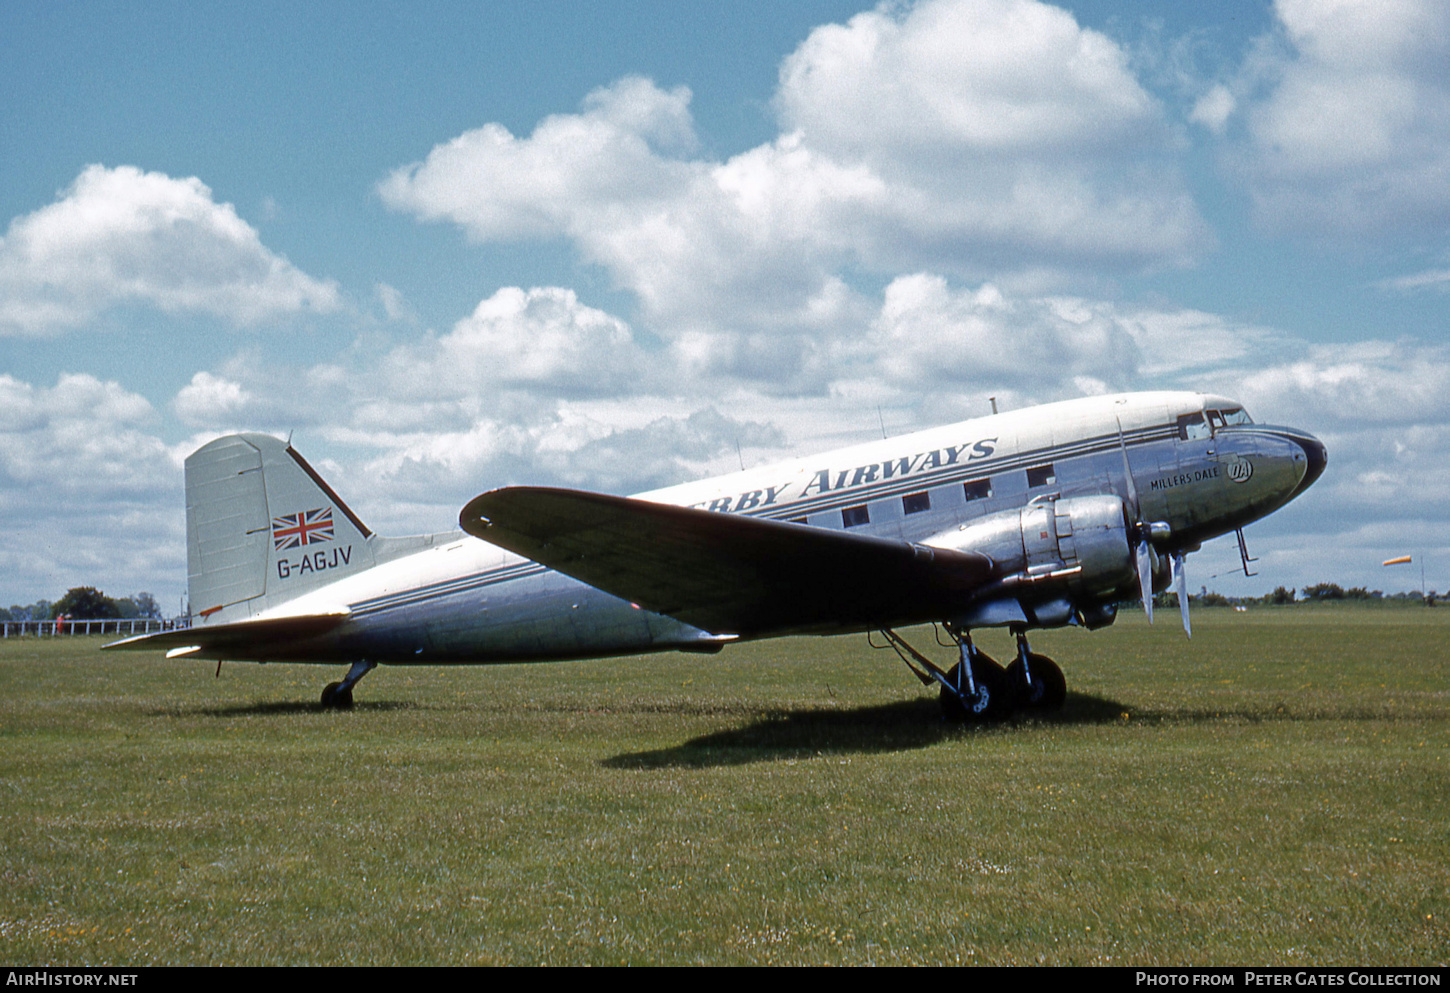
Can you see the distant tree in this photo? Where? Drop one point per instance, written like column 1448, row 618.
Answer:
column 1280, row 596
column 1324, row 591
column 146, row 606
column 85, row 603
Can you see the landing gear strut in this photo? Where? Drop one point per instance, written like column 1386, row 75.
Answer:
column 1036, row 680
column 976, row 688
column 338, row 696
column 979, row 689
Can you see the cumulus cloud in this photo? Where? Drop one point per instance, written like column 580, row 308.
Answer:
column 211, row 401
column 1353, row 135
column 535, row 385
column 1214, row 108
column 1347, row 386
column 542, row 339
column 123, row 236
column 945, row 79
column 561, row 445
column 90, row 494
column 532, row 386
column 499, row 186
column 929, row 334
column 1381, row 409
column 82, row 434
column 972, row 137
column 692, row 240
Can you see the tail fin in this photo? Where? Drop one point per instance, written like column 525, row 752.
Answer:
column 262, row 528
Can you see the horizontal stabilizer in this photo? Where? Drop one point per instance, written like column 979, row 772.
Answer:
column 257, row 640
column 727, row 573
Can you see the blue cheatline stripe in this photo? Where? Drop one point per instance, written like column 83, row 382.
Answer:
column 448, row 587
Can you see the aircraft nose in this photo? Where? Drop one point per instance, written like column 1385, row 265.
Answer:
column 1316, row 456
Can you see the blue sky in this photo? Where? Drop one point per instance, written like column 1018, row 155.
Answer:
column 452, row 246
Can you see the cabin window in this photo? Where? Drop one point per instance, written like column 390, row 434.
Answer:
column 1041, row 475
column 978, row 489
column 855, row 516
column 1192, row 426
column 915, row 503
column 799, row 520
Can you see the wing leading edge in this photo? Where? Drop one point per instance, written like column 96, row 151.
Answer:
column 726, row 573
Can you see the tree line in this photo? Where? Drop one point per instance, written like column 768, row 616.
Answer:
column 86, row 603
column 1316, row 593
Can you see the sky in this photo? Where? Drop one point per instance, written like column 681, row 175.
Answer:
column 446, row 247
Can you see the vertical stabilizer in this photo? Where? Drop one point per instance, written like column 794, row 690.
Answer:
column 263, row 528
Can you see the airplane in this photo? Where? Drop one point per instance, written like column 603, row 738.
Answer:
column 1036, row 518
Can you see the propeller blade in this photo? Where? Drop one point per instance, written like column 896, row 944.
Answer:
column 1145, row 577
column 1180, row 580
column 1128, row 474
column 1139, row 529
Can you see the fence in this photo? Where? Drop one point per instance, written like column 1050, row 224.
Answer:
column 131, row 625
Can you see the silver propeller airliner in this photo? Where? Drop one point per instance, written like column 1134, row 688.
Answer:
column 1036, row 518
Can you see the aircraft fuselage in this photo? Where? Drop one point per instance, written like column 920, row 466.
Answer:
column 1039, row 488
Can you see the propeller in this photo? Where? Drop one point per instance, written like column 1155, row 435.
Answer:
column 1142, row 534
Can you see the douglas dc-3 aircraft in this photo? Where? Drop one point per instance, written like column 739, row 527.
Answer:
column 1035, row 518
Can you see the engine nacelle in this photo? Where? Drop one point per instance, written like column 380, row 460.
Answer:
column 1075, row 549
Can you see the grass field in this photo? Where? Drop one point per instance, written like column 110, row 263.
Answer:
column 1276, row 791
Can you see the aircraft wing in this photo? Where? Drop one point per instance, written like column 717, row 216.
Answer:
column 252, row 640
column 727, row 573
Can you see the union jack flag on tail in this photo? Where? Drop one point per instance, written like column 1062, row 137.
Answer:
column 306, row 528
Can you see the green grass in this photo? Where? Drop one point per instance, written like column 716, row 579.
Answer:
column 1276, row 791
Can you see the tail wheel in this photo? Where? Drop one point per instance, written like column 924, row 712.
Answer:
column 334, row 697
column 992, row 699
column 1048, row 691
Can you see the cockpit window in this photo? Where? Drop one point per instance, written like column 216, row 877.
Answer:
column 1229, row 417
column 1191, row 426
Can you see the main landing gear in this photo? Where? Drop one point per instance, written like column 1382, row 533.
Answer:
column 338, row 696
column 978, row 688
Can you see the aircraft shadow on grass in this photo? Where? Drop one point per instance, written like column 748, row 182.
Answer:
column 891, row 727
column 806, row 733
column 274, row 708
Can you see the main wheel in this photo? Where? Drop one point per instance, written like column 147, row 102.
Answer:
column 1049, row 687
column 992, row 700
column 337, row 698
